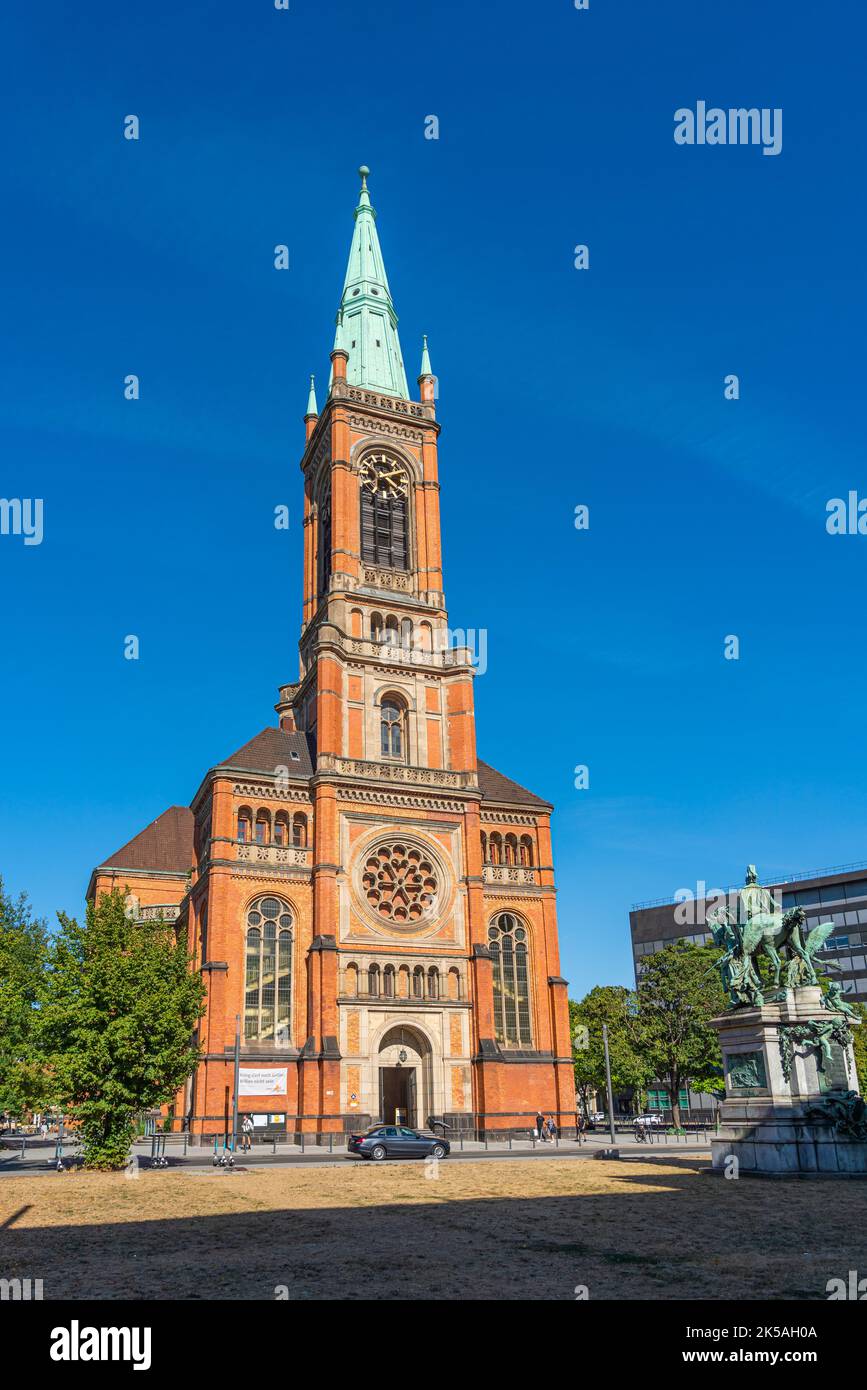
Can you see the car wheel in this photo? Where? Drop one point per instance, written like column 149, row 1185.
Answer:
column 438, row 1151
column 378, row 1152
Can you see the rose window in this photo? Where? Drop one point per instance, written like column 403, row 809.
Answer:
column 400, row 883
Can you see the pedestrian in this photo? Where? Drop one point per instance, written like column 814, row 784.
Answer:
column 540, row 1126
column 552, row 1128
column 246, row 1134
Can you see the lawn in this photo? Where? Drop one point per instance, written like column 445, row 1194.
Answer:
column 656, row 1228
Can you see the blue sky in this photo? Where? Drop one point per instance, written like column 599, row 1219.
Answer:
column 557, row 387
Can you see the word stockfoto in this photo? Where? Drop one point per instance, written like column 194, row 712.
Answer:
column 737, row 126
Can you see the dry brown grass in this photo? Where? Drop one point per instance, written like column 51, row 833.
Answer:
column 636, row 1229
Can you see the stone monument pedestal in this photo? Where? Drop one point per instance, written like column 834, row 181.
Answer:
column 779, row 1123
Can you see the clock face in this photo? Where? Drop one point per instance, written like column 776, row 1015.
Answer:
column 383, row 477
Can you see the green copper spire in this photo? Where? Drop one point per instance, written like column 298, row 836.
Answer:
column 366, row 321
column 425, row 358
column 312, row 407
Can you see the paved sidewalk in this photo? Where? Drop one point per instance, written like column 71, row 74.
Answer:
column 39, row 1156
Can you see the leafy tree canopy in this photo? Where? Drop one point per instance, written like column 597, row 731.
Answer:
column 116, row 1025
column 23, row 948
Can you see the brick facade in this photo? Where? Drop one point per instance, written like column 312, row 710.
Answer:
column 379, row 860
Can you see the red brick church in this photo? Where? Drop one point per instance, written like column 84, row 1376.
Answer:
column 374, row 902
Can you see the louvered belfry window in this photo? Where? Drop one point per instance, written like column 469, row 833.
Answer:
column 383, row 530
column 384, row 491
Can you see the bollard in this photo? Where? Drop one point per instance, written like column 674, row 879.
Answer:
column 274, row 1145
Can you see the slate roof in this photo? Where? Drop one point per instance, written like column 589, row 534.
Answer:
column 495, row 787
column 273, row 748
column 166, row 845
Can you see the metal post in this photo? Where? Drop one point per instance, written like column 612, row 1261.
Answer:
column 608, row 1083
column 237, row 1079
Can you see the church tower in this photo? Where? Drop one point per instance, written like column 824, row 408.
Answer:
column 374, row 902
column 402, row 893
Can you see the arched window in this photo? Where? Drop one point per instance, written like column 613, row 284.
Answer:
column 281, row 828
column 526, row 851
column 391, row 728
column 392, row 638
column 418, row 982
column 373, row 981
column 406, row 634
column 299, row 830
column 384, row 490
column 376, row 627
column 388, row 982
column 351, row 980
column 511, row 850
column 485, row 859
column 454, row 984
column 507, row 941
column 268, row 981
column 496, row 847
column 433, row 983
column 324, row 546
column 263, row 828
column 245, row 825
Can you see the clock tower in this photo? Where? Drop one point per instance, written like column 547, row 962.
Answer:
column 420, row 903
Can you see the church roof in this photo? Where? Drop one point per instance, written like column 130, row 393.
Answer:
column 165, row 846
column 366, row 320
column 273, row 748
column 495, row 787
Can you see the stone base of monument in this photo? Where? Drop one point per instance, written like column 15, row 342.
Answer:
column 782, row 1094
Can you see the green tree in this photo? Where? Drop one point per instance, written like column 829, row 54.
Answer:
column 23, row 945
column 859, row 1043
column 121, row 1002
column 616, row 1006
column 679, row 991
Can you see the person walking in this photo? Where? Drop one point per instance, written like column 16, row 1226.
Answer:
column 552, row 1129
column 540, row 1125
column 246, row 1134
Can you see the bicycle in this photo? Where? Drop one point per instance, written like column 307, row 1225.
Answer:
column 640, row 1132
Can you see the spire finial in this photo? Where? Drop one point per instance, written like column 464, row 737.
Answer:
column 312, row 407
column 364, row 195
column 425, row 358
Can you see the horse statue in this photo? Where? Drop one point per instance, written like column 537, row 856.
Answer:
column 760, row 928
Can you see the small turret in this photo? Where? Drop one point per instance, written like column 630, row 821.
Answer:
column 312, row 413
column 426, row 380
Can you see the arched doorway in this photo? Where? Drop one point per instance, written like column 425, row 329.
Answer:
column 405, row 1076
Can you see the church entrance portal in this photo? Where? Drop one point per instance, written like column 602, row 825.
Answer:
column 397, row 1095
column 405, row 1076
